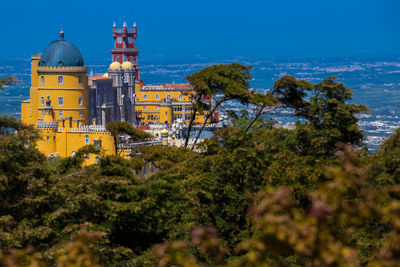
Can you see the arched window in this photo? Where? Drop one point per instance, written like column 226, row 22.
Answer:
column 42, row 101
column 80, row 79
column 157, row 97
column 144, row 97
column 42, row 79
column 60, row 79
column 87, row 140
column 180, row 96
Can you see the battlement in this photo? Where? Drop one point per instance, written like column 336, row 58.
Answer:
column 36, row 56
column 90, row 129
column 61, row 69
column 46, row 125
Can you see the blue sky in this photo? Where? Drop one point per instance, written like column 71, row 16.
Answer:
column 208, row 28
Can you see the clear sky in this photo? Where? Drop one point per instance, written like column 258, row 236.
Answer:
column 206, row 28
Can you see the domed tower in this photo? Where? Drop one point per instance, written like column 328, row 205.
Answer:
column 59, row 75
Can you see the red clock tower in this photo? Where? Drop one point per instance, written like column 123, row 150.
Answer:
column 124, row 46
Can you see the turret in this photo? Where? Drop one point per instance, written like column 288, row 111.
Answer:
column 134, row 30
column 48, row 111
column 164, row 137
column 124, row 29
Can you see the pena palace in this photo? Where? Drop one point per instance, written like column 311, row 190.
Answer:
column 71, row 109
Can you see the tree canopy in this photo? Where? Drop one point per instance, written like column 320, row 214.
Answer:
column 258, row 195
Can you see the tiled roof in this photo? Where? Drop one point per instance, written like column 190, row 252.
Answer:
column 98, row 77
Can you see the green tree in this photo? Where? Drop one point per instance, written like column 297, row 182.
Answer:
column 330, row 120
column 117, row 129
column 231, row 81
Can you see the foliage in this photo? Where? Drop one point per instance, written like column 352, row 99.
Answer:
column 386, row 163
column 75, row 162
column 231, row 81
column 118, row 128
column 330, row 120
column 256, row 195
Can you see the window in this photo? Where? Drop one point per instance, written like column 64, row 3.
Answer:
column 117, row 59
column 80, row 79
column 73, row 154
column 42, row 79
column 86, row 156
column 80, row 101
column 156, row 107
column 180, row 96
column 60, row 79
column 87, row 140
column 42, row 101
column 60, row 113
column 169, row 97
column 157, row 97
column 80, row 113
column 54, row 138
column 131, row 59
column 144, row 108
column 42, row 113
column 96, row 159
column 61, row 101
column 144, row 97
column 48, row 139
column 166, row 112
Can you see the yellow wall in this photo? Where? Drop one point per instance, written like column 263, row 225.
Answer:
column 158, row 112
column 70, row 90
column 66, row 137
column 65, row 142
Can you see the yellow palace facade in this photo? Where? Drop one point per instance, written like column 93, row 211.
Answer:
column 71, row 109
column 59, row 106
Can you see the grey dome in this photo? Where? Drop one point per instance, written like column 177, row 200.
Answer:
column 61, row 53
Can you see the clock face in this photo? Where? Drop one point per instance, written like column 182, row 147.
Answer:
column 119, row 40
column 130, row 40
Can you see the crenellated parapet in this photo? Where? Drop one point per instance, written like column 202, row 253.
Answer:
column 47, row 125
column 90, row 129
column 61, row 69
column 36, row 56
